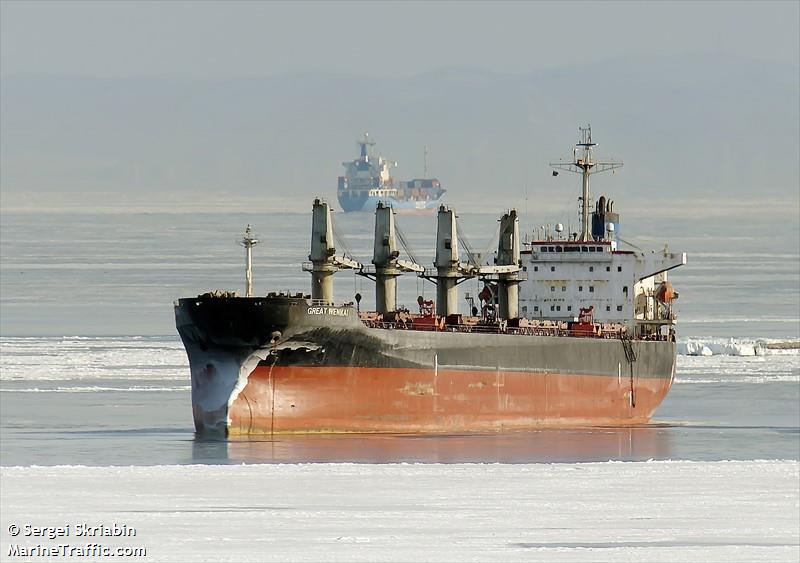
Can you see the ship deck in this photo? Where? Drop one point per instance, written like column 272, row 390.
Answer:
column 521, row 327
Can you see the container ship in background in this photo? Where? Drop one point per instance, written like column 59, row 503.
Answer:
column 367, row 181
column 572, row 330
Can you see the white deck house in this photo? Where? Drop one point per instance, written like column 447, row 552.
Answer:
column 620, row 285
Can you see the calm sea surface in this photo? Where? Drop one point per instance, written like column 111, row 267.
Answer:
column 92, row 371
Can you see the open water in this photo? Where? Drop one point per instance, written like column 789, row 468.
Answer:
column 93, row 373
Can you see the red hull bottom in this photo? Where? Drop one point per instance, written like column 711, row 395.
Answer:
column 303, row 399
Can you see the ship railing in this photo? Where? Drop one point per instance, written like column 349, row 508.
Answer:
column 324, row 303
column 495, row 329
column 480, row 329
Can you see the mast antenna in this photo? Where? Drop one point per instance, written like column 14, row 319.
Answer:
column 365, row 145
column 248, row 242
column 583, row 163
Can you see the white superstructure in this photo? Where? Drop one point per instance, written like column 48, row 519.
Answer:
column 620, row 285
column 591, row 269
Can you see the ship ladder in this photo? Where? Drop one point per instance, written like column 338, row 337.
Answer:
column 630, row 355
column 627, row 345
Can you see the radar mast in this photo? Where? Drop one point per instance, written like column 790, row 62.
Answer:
column 248, row 242
column 583, row 163
column 363, row 144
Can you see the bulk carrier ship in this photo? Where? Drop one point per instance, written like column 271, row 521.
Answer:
column 367, row 181
column 573, row 330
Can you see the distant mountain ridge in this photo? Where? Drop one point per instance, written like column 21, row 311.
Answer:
column 684, row 125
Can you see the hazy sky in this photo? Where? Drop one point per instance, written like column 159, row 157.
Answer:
column 221, row 39
column 212, row 101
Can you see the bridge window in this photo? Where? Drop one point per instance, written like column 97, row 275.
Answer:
column 580, row 288
column 536, row 268
column 625, row 289
column 535, row 308
column 591, row 289
column 552, row 288
column 552, row 268
column 543, row 249
column 563, row 288
column 552, row 307
column 608, row 268
column 584, row 249
column 619, row 268
column 592, row 249
column 619, row 307
column 591, row 268
column 569, row 307
column 558, row 308
column 608, row 307
column 552, row 248
column 559, row 249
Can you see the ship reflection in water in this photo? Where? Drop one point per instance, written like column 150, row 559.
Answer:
column 543, row 446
